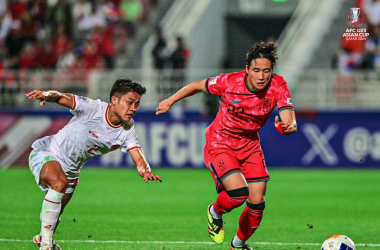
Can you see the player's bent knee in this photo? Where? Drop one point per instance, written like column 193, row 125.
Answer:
column 259, row 206
column 60, row 185
column 239, row 195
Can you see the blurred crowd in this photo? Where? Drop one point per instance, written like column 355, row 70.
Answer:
column 170, row 63
column 67, row 34
column 362, row 54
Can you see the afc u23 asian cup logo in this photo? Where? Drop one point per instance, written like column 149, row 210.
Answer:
column 355, row 17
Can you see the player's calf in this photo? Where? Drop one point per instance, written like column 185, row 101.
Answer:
column 249, row 221
column 51, row 209
column 226, row 201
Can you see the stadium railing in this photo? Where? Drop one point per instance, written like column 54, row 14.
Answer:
column 319, row 89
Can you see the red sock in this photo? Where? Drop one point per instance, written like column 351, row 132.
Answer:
column 250, row 220
column 228, row 200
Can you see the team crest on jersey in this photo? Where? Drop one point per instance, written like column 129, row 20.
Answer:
column 213, row 80
column 267, row 104
column 114, row 147
column 221, row 165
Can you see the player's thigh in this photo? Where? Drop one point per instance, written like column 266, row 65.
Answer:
column 257, row 192
column 254, row 168
column 226, row 171
column 234, row 181
column 52, row 175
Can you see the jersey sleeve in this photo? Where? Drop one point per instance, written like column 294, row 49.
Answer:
column 284, row 101
column 84, row 106
column 216, row 85
column 131, row 141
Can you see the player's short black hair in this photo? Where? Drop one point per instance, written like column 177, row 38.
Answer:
column 261, row 50
column 123, row 86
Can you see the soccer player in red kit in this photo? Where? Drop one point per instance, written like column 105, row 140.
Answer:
column 232, row 151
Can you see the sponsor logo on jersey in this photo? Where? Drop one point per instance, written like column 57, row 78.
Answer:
column 213, row 80
column 233, row 101
column 289, row 100
column 221, row 165
column 267, row 104
column 93, row 134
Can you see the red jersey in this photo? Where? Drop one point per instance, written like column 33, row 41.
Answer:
column 243, row 111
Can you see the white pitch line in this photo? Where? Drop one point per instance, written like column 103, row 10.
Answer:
column 183, row 242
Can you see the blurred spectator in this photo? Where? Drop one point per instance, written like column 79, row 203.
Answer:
column 91, row 54
column 60, row 41
column 372, row 47
column 29, row 27
column 109, row 10
column 17, row 8
column 180, row 55
column 50, row 57
column 88, row 23
column 28, row 58
column 350, row 56
column 13, row 46
column 132, row 13
column 60, row 12
column 178, row 61
column 81, row 9
column 38, row 10
column 3, row 8
column 372, row 11
column 158, row 51
column 360, row 4
column 6, row 25
column 103, row 37
column 67, row 59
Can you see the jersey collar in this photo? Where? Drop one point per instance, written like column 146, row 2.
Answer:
column 253, row 91
column 108, row 121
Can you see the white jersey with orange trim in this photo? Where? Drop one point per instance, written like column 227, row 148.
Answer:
column 88, row 134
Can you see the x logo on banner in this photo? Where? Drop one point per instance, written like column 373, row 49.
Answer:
column 320, row 144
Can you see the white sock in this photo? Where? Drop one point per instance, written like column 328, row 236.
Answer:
column 214, row 214
column 51, row 208
column 237, row 242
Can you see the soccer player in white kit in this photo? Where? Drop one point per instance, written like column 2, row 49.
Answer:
column 96, row 129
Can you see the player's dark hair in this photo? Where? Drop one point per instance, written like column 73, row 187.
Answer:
column 261, row 50
column 123, row 86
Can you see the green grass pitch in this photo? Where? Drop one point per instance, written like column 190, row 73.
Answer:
column 115, row 209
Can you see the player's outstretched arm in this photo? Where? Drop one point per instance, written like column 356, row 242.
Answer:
column 142, row 165
column 51, row 96
column 288, row 124
column 189, row 90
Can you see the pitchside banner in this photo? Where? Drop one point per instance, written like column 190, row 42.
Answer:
column 327, row 139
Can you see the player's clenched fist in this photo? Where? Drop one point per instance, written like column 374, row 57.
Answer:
column 285, row 128
column 164, row 106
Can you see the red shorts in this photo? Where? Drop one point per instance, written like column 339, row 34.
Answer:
column 223, row 162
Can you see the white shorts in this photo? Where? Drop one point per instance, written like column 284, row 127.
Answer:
column 37, row 159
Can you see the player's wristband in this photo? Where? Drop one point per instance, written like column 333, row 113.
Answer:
column 48, row 95
column 280, row 129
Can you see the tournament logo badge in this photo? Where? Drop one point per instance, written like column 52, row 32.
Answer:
column 355, row 17
column 221, row 165
column 267, row 104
